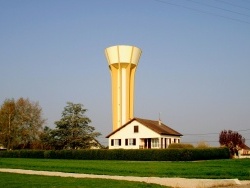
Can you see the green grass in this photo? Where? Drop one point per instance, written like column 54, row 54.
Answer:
column 212, row 169
column 9, row 180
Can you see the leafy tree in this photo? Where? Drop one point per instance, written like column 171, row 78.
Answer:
column 21, row 123
column 72, row 130
column 232, row 140
column 46, row 138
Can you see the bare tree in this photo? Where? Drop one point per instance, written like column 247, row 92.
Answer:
column 7, row 125
column 21, row 123
column 232, row 140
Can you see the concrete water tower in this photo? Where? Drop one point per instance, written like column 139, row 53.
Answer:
column 122, row 61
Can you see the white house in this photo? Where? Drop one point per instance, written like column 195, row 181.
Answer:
column 143, row 134
column 244, row 151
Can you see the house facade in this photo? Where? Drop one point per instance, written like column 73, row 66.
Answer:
column 244, row 151
column 143, row 134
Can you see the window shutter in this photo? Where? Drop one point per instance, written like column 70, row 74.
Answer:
column 126, row 142
column 134, row 141
column 120, row 142
column 112, row 142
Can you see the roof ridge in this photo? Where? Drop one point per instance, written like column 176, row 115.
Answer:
column 151, row 124
column 161, row 129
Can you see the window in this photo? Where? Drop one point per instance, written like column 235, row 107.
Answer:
column 176, row 140
column 130, row 142
column 136, row 129
column 116, row 142
column 155, row 142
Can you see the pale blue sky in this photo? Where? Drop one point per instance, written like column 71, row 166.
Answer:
column 194, row 70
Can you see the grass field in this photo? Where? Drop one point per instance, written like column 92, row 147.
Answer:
column 213, row 169
column 9, row 180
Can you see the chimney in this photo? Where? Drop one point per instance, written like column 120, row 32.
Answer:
column 159, row 119
column 159, row 122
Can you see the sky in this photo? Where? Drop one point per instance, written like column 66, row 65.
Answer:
column 194, row 70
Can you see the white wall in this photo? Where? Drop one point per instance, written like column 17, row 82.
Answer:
column 243, row 154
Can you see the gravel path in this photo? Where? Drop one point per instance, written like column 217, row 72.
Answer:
column 173, row 182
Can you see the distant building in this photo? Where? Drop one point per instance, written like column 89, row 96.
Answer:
column 2, row 147
column 95, row 144
column 143, row 134
column 244, row 151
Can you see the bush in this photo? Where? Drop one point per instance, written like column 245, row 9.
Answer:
column 202, row 144
column 175, row 145
column 180, row 154
column 22, row 154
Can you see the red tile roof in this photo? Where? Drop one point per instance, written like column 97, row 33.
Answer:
column 161, row 129
column 244, row 146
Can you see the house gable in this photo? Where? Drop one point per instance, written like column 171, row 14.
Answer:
column 128, row 131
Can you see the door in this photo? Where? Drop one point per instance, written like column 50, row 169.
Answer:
column 149, row 143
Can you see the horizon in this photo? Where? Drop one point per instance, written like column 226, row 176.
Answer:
column 194, row 68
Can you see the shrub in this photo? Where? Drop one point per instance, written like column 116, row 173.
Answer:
column 175, row 145
column 179, row 154
column 31, row 154
column 202, row 144
column 22, row 154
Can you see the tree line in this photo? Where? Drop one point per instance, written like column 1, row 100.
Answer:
column 23, row 127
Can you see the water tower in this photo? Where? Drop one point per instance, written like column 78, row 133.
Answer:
column 123, row 61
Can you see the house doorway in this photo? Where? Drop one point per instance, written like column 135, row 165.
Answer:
column 147, row 143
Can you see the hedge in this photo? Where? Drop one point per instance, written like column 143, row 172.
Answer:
column 22, row 154
column 182, row 154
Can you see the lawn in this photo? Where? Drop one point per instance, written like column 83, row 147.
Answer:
column 212, row 169
column 9, row 180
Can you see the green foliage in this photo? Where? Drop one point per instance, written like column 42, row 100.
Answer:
column 180, row 145
column 129, row 155
column 46, row 138
column 62, row 182
column 207, row 169
column 72, row 130
column 22, row 154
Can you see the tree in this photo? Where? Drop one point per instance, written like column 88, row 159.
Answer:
column 7, row 125
column 72, row 130
column 232, row 140
column 21, row 123
column 46, row 138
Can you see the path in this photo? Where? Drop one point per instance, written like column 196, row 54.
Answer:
column 173, row 182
